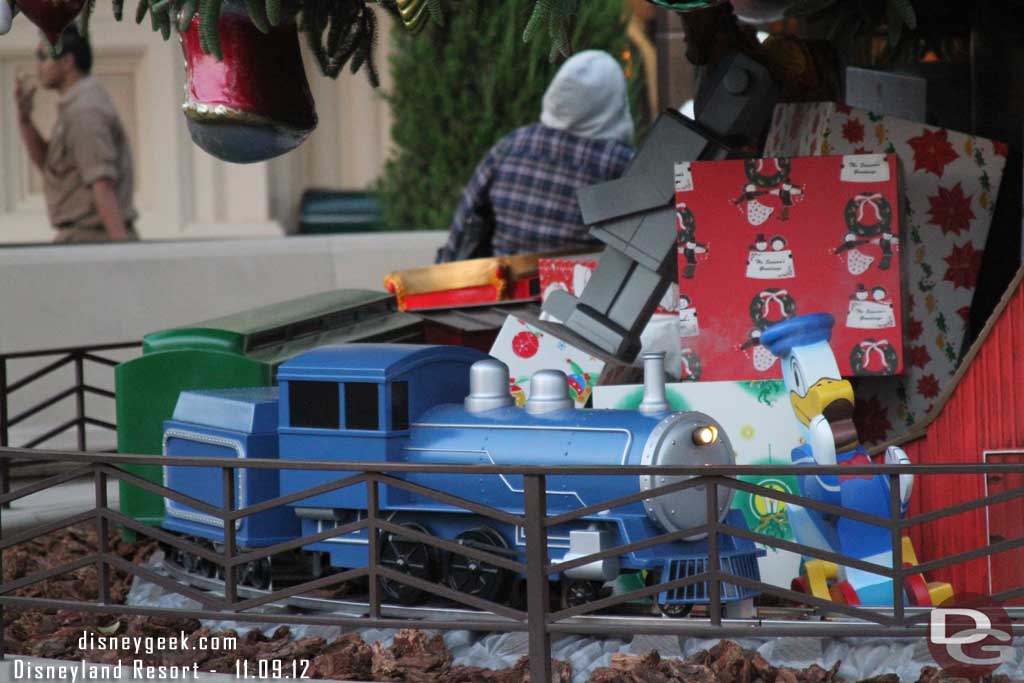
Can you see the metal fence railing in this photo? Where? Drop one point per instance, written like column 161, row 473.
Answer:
column 539, row 619
column 68, row 398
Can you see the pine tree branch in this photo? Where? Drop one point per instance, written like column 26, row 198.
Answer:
column 209, row 30
column 185, row 15
column 274, row 12
column 140, row 11
column 258, row 14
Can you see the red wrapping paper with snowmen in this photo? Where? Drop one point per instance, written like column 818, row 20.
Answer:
column 763, row 240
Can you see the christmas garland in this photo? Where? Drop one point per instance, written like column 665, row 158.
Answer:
column 339, row 32
column 851, row 18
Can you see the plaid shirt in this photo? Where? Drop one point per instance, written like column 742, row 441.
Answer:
column 529, row 180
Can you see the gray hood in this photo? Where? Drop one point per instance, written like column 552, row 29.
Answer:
column 588, row 98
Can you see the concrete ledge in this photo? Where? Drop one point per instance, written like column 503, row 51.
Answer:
column 58, row 296
column 54, row 296
column 55, row 503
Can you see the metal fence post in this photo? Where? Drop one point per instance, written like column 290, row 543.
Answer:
column 895, row 510
column 102, row 540
column 714, row 564
column 538, row 587
column 5, row 463
column 3, row 615
column 373, row 546
column 230, row 589
column 80, row 398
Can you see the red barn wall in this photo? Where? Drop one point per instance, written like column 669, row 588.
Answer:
column 982, row 414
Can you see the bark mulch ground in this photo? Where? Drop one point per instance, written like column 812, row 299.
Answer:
column 413, row 656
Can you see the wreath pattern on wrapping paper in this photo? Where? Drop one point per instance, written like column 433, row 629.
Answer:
column 686, row 240
column 856, row 205
column 690, row 365
column 754, row 175
column 861, row 352
column 686, row 224
column 758, row 316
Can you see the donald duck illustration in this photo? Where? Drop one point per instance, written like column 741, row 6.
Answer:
column 823, row 403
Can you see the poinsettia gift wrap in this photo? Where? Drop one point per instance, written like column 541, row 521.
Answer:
column 758, row 420
column 951, row 181
column 526, row 349
column 764, row 240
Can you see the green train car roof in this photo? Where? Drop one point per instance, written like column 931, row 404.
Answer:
column 283, row 329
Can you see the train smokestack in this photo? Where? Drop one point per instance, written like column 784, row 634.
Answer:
column 654, row 384
column 488, row 387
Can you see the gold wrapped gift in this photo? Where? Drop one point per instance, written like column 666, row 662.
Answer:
column 500, row 273
column 445, row 277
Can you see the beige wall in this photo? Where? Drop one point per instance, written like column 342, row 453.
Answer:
column 60, row 296
column 181, row 191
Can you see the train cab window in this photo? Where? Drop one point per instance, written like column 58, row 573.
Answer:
column 313, row 404
column 361, row 410
column 399, row 406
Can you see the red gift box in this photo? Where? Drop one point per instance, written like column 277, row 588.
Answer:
column 763, row 240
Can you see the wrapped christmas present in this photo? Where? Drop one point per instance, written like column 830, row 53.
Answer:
column 764, row 240
column 950, row 183
column 469, row 282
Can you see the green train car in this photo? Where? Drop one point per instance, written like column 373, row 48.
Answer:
column 241, row 350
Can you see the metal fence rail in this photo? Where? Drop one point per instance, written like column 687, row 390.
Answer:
column 77, row 357
column 539, row 620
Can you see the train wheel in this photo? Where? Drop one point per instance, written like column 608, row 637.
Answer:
column 196, row 565
column 408, row 557
column 675, row 610
column 517, row 594
column 576, row 592
column 472, row 576
column 175, row 556
column 257, row 574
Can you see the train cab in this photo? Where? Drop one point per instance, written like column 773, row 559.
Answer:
column 356, row 403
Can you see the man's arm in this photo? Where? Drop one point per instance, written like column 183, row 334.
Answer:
column 105, row 195
column 473, row 203
column 34, row 142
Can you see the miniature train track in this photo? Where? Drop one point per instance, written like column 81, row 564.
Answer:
column 792, row 617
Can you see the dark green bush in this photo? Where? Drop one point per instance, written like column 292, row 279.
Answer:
column 460, row 88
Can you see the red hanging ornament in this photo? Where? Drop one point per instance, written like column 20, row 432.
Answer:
column 255, row 104
column 51, row 16
column 6, row 15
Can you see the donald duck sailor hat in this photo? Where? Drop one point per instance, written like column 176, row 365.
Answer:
column 802, row 330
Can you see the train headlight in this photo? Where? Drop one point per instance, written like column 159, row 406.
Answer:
column 688, row 439
column 705, row 436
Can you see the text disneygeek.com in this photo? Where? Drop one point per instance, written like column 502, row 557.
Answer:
column 141, row 668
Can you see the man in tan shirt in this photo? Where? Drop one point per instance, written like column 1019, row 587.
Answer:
column 87, row 163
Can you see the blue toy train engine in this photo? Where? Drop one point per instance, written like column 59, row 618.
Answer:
column 393, row 403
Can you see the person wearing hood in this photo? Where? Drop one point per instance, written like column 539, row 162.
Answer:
column 522, row 196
